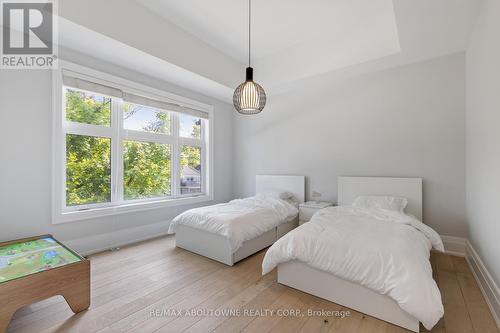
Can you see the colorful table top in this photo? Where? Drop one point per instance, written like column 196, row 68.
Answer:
column 25, row 258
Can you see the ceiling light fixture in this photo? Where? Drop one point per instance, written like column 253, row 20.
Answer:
column 249, row 97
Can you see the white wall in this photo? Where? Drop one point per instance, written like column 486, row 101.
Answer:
column 407, row 121
column 483, row 136
column 26, row 153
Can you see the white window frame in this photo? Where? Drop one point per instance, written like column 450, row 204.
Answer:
column 60, row 212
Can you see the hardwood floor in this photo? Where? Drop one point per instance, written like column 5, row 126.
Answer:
column 131, row 287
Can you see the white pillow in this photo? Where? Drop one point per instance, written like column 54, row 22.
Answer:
column 277, row 195
column 397, row 204
column 286, row 195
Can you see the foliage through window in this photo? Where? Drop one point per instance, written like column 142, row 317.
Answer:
column 88, row 170
column 190, row 127
column 146, row 171
column 190, row 170
column 119, row 152
column 88, row 108
column 143, row 118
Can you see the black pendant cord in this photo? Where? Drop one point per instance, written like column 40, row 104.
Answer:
column 249, row 31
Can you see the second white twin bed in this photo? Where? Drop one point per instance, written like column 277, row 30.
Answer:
column 232, row 231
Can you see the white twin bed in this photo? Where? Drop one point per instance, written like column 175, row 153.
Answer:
column 232, row 231
column 369, row 259
column 370, row 254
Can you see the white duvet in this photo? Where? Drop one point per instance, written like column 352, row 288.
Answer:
column 383, row 250
column 239, row 220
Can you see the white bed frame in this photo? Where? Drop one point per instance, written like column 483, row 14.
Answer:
column 218, row 247
column 326, row 285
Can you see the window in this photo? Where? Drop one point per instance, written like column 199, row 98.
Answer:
column 88, row 170
column 124, row 149
column 146, row 119
column 190, row 127
column 190, row 170
column 87, row 108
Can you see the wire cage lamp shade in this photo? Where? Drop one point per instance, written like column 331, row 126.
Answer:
column 249, row 97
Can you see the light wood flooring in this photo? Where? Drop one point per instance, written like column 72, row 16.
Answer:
column 129, row 285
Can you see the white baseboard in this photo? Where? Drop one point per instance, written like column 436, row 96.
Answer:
column 462, row 247
column 456, row 246
column 103, row 242
column 488, row 286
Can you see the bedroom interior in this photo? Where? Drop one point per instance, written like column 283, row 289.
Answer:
column 348, row 184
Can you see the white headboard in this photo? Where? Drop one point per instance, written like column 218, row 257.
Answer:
column 271, row 183
column 349, row 188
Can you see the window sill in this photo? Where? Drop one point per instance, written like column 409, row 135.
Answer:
column 65, row 217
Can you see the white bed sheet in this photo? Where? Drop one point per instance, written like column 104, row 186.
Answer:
column 239, row 220
column 385, row 251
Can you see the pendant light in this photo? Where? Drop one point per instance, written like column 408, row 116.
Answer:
column 249, row 97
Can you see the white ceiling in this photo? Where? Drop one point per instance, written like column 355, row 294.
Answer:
column 296, row 39
column 277, row 25
column 292, row 40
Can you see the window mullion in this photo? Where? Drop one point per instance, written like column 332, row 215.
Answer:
column 175, row 159
column 63, row 160
column 204, row 164
column 134, row 135
column 70, row 127
column 190, row 142
column 116, row 152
